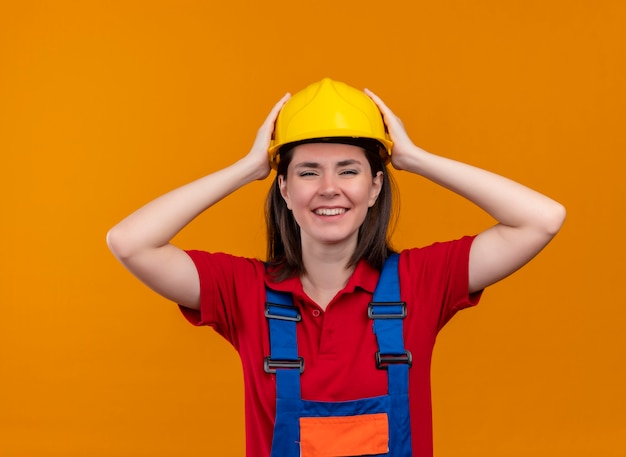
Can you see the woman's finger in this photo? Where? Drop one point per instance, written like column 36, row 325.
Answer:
column 388, row 115
column 264, row 133
column 271, row 117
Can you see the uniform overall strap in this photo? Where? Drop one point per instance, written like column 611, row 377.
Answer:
column 285, row 364
column 283, row 360
column 388, row 311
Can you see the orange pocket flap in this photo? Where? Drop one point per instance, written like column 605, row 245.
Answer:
column 344, row 435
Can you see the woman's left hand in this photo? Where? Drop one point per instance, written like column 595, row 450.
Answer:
column 403, row 148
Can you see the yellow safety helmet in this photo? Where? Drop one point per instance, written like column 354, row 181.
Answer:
column 328, row 109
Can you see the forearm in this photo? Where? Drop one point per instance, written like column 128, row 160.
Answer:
column 156, row 223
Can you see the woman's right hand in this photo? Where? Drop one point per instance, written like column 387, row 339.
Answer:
column 258, row 153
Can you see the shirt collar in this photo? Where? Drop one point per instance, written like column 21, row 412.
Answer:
column 364, row 277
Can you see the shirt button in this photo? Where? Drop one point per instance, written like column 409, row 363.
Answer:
column 316, row 313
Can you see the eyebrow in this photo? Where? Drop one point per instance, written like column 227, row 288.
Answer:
column 341, row 163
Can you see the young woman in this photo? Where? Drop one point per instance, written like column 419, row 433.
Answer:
column 326, row 372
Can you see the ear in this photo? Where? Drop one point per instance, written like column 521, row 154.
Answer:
column 377, row 185
column 282, row 185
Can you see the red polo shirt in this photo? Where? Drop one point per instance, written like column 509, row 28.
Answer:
column 338, row 344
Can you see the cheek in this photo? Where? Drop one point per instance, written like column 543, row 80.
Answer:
column 297, row 199
column 299, row 203
column 365, row 195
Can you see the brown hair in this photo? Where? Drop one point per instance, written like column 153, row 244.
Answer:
column 284, row 250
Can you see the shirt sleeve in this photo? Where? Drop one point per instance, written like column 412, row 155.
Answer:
column 227, row 285
column 437, row 280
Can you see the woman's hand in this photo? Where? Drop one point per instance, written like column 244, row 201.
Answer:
column 258, row 153
column 403, row 148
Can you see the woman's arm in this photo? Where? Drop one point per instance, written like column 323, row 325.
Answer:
column 141, row 241
column 527, row 220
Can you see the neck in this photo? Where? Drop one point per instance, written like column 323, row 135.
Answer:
column 326, row 272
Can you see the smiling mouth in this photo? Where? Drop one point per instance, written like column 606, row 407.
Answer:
column 330, row 211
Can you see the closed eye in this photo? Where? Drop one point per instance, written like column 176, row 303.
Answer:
column 349, row 172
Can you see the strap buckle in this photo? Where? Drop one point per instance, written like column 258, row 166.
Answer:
column 389, row 310
column 384, row 360
column 282, row 312
column 270, row 366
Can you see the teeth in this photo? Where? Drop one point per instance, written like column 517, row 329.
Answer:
column 329, row 211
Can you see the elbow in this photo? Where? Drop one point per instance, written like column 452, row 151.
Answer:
column 118, row 243
column 554, row 219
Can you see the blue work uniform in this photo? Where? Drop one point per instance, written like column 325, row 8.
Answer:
column 376, row 426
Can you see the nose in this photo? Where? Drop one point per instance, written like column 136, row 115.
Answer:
column 328, row 185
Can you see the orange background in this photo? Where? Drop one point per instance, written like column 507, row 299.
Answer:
column 105, row 105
